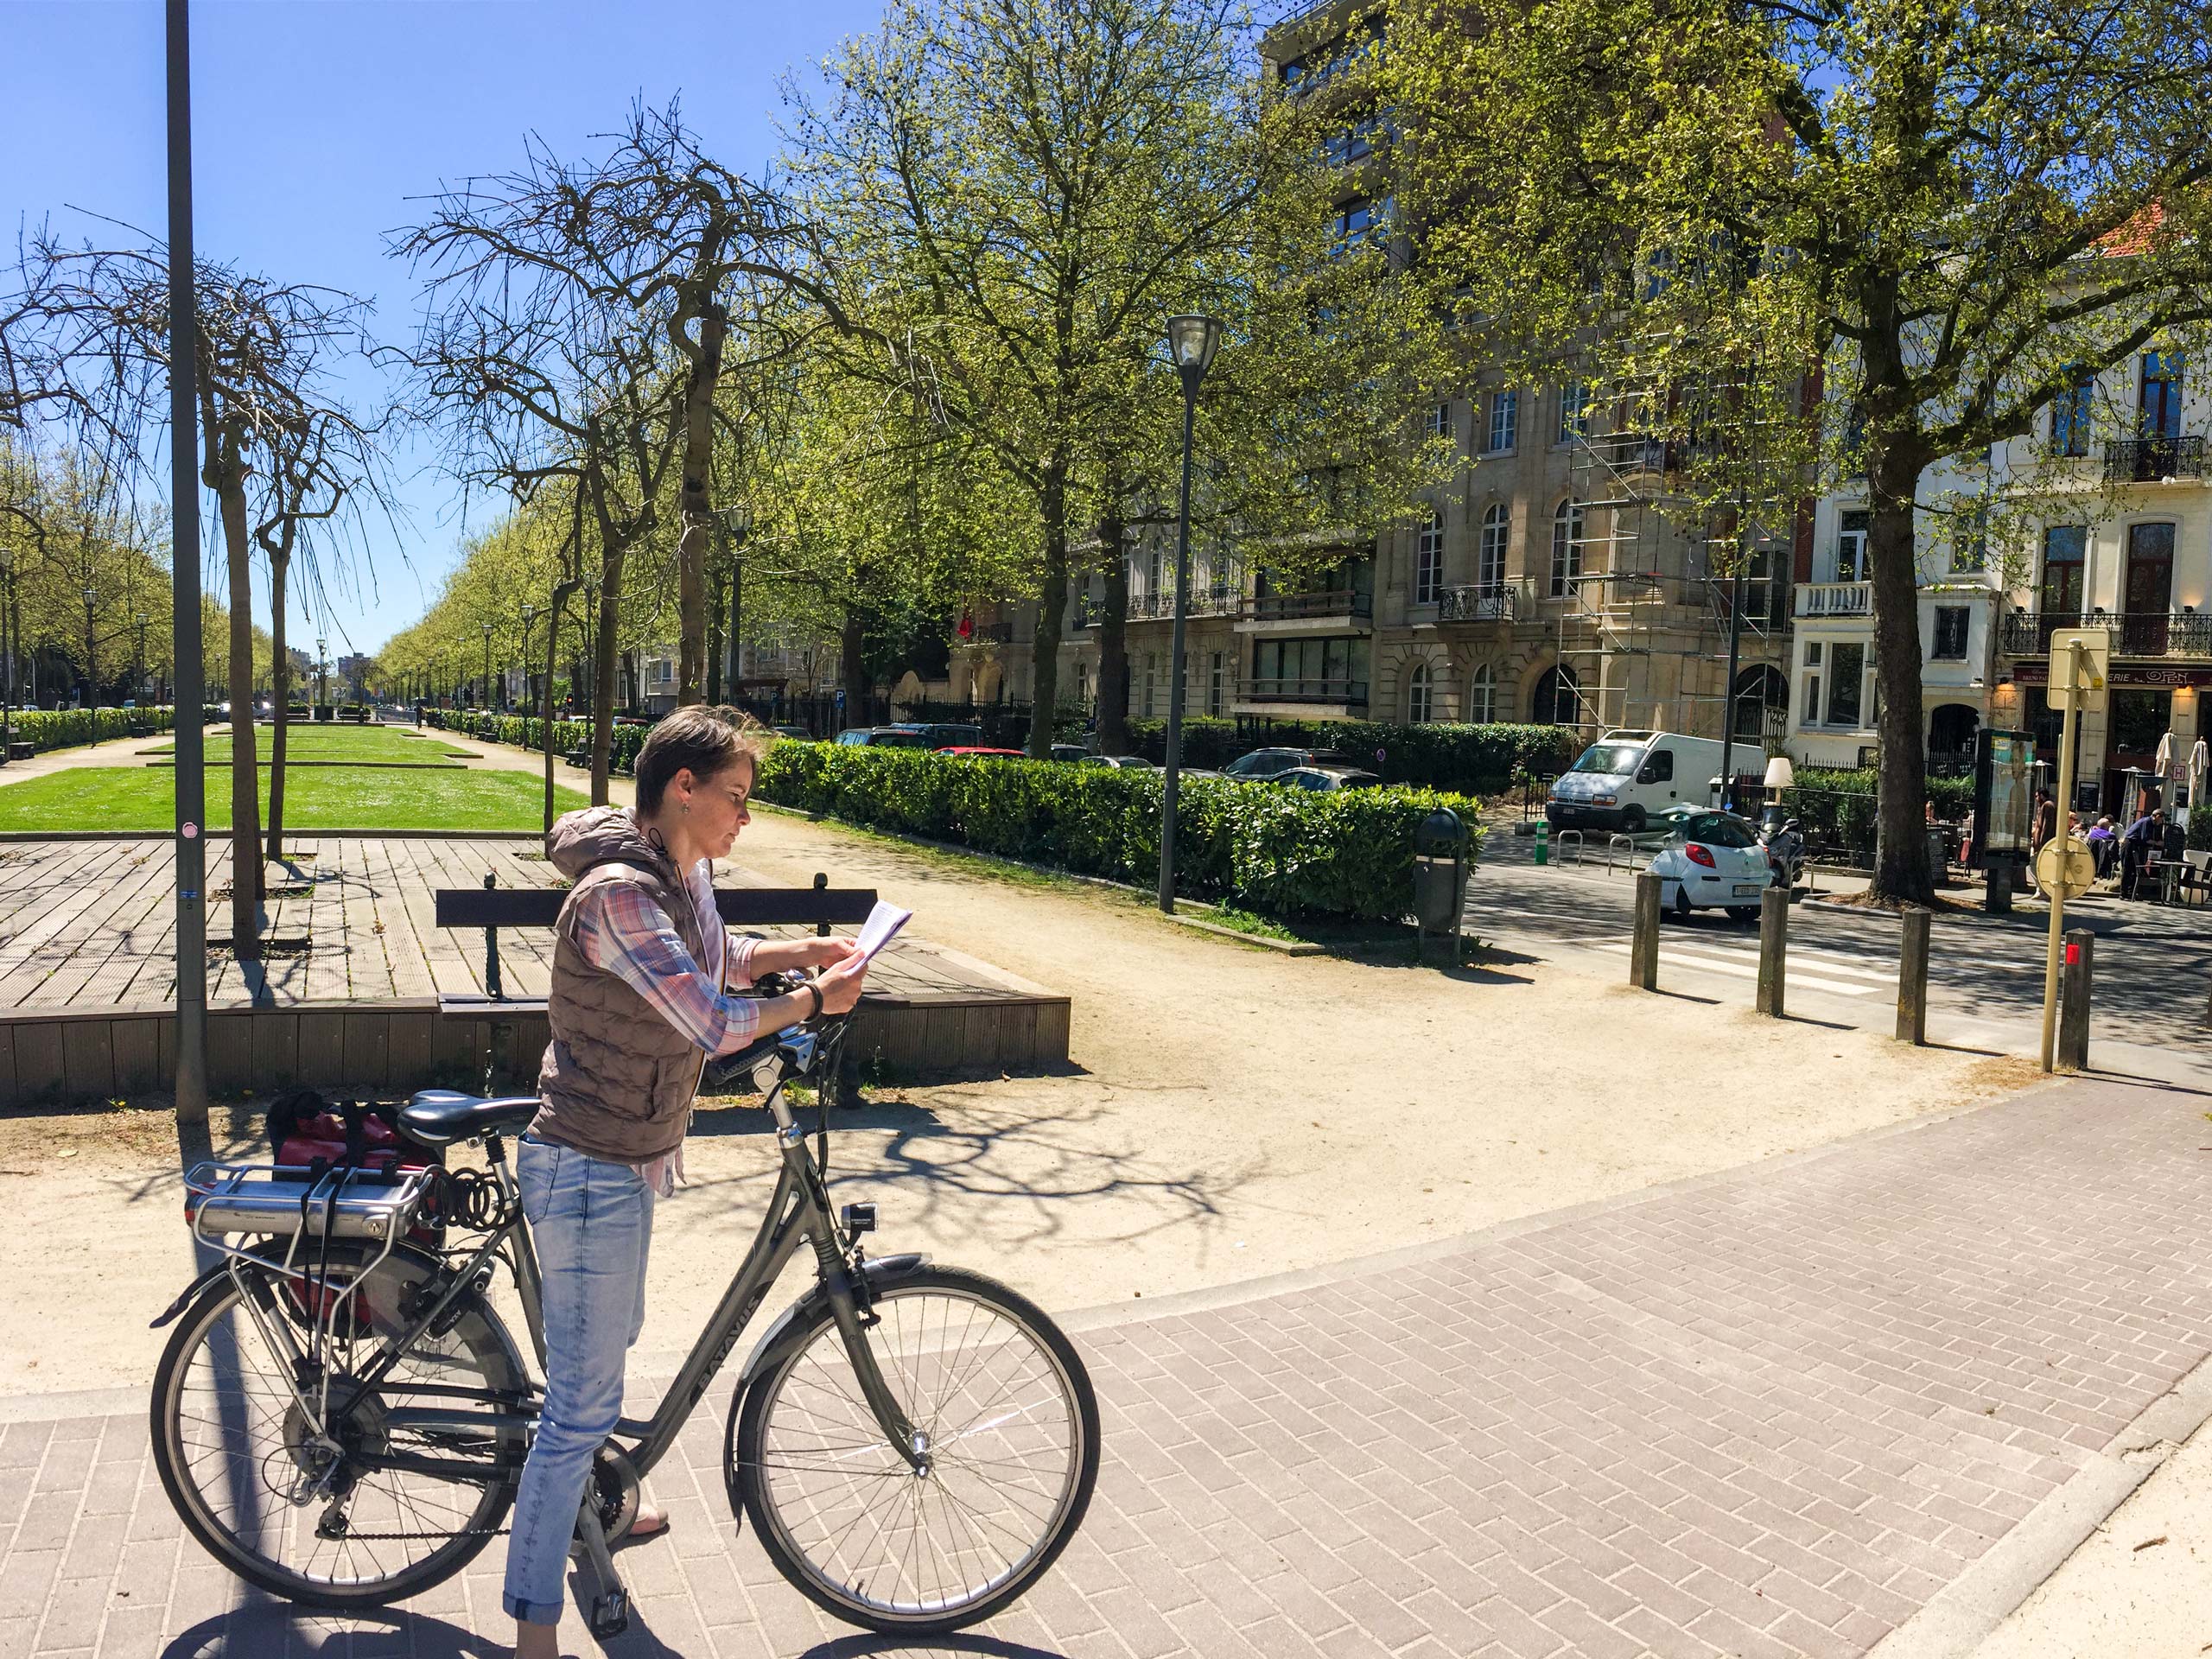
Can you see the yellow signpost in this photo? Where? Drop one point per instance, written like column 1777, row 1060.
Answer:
column 2081, row 663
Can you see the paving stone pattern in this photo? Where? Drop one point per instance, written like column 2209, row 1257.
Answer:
column 1765, row 1413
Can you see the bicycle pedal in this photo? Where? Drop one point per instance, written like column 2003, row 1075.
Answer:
column 610, row 1614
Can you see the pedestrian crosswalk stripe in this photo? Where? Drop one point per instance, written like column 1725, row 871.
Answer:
column 1748, row 969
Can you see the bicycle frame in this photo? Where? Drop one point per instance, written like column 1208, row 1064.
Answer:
column 798, row 1210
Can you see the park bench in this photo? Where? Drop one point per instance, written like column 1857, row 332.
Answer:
column 493, row 907
column 19, row 751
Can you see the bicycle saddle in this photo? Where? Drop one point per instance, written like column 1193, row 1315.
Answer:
column 436, row 1116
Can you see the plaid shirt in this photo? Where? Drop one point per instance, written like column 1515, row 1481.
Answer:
column 622, row 931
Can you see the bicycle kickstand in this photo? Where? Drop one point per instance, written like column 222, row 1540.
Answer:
column 609, row 1613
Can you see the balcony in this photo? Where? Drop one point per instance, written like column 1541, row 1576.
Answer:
column 1478, row 602
column 1348, row 693
column 1835, row 599
column 1160, row 607
column 1335, row 602
column 2155, row 633
column 2149, row 461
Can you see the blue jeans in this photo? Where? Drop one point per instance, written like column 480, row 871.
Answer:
column 592, row 1222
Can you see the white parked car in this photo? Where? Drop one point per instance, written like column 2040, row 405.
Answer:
column 1710, row 861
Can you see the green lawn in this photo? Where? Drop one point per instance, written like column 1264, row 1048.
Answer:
column 123, row 798
column 327, row 743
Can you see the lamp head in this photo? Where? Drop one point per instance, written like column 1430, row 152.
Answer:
column 1780, row 774
column 1191, row 342
column 142, row 618
column 737, row 521
column 91, row 595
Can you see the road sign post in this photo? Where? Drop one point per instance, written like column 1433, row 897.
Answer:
column 2080, row 660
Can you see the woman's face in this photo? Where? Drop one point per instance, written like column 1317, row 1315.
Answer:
column 717, row 805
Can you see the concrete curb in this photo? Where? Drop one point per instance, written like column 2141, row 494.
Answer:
column 1957, row 1618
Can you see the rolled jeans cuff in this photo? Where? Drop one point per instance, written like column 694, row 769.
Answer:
column 532, row 1612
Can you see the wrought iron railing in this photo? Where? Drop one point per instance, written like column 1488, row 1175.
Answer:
column 1160, row 607
column 1477, row 602
column 2142, row 633
column 2145, row 460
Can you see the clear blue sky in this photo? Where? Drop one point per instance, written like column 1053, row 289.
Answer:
column 315, row 122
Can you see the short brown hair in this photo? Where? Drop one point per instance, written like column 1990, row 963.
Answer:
column 705, row 742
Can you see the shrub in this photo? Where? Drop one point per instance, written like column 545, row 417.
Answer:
column 63, row 728
column 528, row 732
column 1837, row 805
column 1343, row 853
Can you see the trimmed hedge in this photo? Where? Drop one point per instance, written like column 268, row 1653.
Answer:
column 1469, row 759
column 63, row 729
column 528, row 732
column 1836, row 806
column 1345, row 854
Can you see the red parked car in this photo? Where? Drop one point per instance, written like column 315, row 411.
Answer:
column 979, row 750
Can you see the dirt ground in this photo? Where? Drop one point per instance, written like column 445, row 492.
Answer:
column 1230, row 1112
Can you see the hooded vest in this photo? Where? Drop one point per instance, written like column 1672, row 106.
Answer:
column 618, row 1080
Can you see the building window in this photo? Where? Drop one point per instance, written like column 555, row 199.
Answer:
column 2069, row 418
column 1566, row 550
column 1428, row 561
column 1482, row 695
column 1504, row 421
column 1151, row 675
column 1360, row 221
column 1812, row 712
column 1216, row 686
column 1846, row 674
column 1355, row 143
column 1573, row 411
column 1951, row 622
column 1851, row 548
column 1440, row 419
column 1419, row 695
column 1326, row 670
column 1490, row 551
column 2064, row 548
column 1970, row 541
column 1558, row 701
column 2159, row 416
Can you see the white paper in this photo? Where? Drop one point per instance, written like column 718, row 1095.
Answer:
column 881, row 927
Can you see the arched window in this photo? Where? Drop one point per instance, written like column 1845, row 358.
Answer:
column 1420, row 696
column 1761, row 702
column 1567, row 549
column 1558, row 701
column 1482, row 695
column 1428, row 561
column 1490, row 551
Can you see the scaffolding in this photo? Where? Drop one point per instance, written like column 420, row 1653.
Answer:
column 1650, row 585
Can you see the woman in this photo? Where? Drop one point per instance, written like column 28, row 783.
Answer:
column 640, row 963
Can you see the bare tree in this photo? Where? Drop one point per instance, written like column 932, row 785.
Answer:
column 266, row 351
column 662, row 241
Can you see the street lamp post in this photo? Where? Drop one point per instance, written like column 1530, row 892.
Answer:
column 737, row 524
column 7, row 652
column 487, row 665
column 138, row 667
column 529, row 616
column 91, row 668
column 322, row 676
column 1191, row 342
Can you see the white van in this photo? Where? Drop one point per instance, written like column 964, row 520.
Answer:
column 1626, row 779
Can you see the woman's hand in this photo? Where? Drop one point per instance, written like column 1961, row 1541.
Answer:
column 824, row 953
column 841, row 987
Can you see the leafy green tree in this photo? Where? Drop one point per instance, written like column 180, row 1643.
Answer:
column 1938, row 216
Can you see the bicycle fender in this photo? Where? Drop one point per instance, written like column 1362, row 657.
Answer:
column 784, row 1332
column 192, row 1291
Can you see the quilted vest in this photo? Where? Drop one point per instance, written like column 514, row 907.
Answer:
column 618, row 1080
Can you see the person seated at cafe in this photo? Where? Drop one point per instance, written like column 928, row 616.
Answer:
column 2104, row 846
column 2143, row 839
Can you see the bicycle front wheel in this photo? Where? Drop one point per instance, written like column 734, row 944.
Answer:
column 1010, row 1427
column 393, row 1496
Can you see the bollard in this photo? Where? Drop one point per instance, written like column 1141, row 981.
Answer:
column 1643, row 948
column 1774, row 950
column 1912, row 977
column 1543, row 842
column 1997, row 891
column 2074, row 979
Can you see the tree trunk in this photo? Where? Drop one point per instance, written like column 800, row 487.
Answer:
column 705, row 361
column 860, row 690
column 1901, row 870
column 1113, row 633
column 245, row 778
column 1051, row 611
column 281, row 672
column 602, row 675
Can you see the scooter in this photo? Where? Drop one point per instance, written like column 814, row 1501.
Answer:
column 1785, row 853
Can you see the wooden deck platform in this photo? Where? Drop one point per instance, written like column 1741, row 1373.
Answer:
column 349, row 996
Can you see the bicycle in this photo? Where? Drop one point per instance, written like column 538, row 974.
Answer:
column 341, row 1417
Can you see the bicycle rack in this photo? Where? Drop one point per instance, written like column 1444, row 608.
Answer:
column 1625, row 846
column 1561, row 843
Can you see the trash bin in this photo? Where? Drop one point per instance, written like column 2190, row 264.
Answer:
column 1441, row 842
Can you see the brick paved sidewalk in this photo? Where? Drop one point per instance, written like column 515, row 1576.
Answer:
column 1767, row 1413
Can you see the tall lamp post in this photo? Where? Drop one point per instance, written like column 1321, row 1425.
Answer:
column 529, row 616
column 487, row 665
column 737, row 524
column 7, row 652
column 322, row 676
column 92, row 666
column 138, row 668
column 1191, row 342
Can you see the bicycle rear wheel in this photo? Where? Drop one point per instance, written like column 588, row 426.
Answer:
column 242, row 1463
column 1011, row 1427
